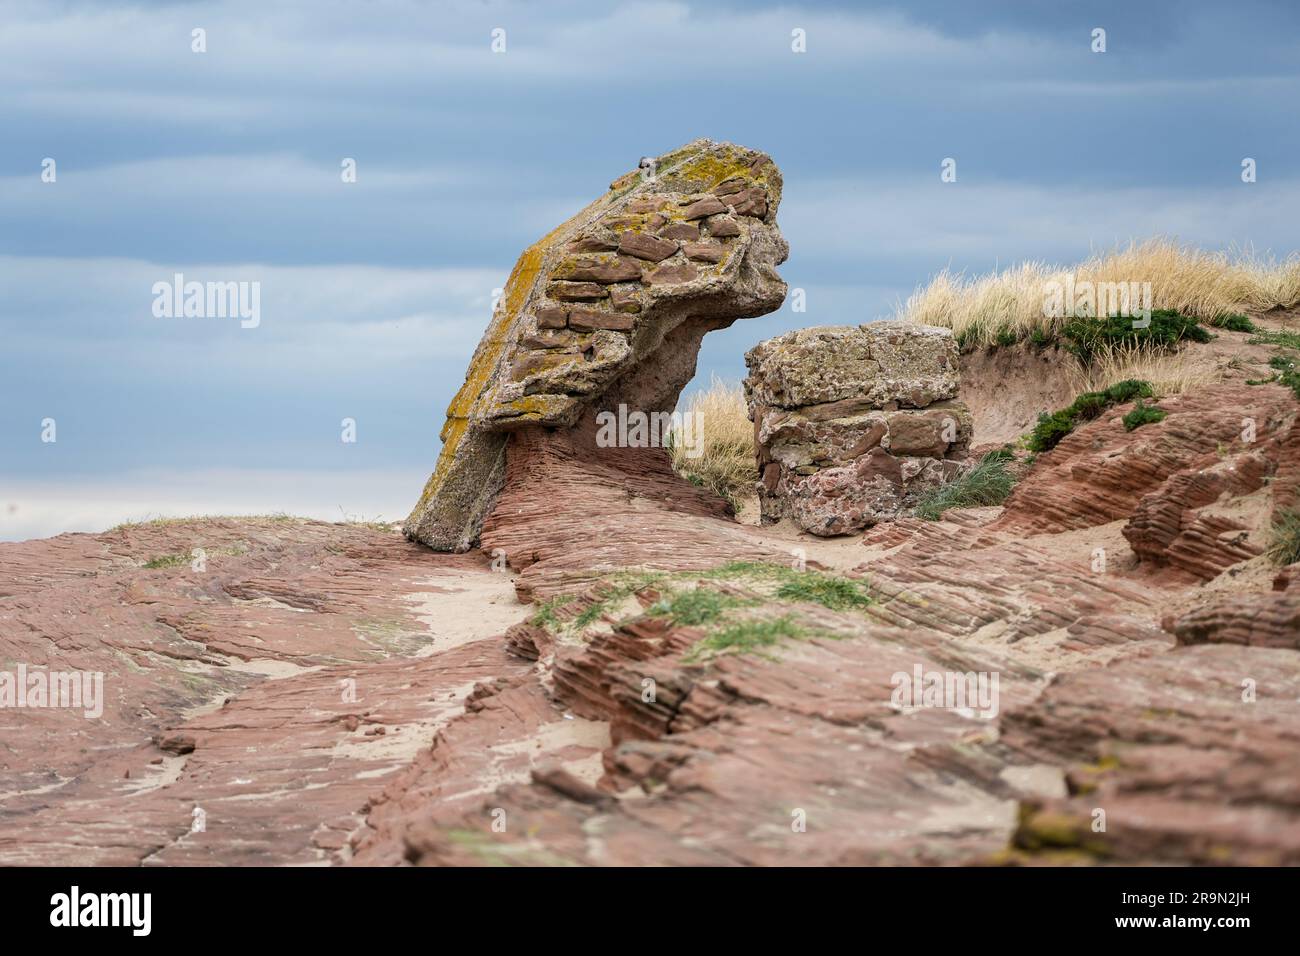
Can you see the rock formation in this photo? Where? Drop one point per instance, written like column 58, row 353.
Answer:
column 686, row 689
column 607, row 310
column 851, row 423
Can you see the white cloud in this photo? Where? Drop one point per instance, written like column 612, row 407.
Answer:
column 990, row 223
column 313, row 318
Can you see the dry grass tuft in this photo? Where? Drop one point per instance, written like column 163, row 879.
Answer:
column 1170, row 373
column 726, row 464
column 1009, row 306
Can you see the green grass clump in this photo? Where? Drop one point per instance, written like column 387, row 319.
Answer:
column 1049, row 431
column 1088, row 336
column 828, row 590
column 545, row 616
column 1287, row 340
column 988, row 483
column 588, row 614
column 1005, row 336
column 167, row 561
column 687, row 600
column 1127, row 390
column 1142, row 415
column 1284, row 537
column 694, row 607
column 1233, row 322
column 1288, row 372
column 749, row 635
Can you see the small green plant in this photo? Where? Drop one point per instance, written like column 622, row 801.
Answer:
column 545, row 616
column 1127, row 390
column 1142, row 414
column 1287, row 340
column 1288, row 373
column 167, row 561
column 1233, row 322
column 1086, row 337
column 1049, row 431
column 1090, row 405
column 1040, row 337
column 836, row 593
column 988, row 483
column 749, row 635
column 591, row 612
column 725, row 611
column 1006, row 335
column 1284, row 537
column 692, row 608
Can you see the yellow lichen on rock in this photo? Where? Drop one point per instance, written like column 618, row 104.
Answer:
column 622, row 299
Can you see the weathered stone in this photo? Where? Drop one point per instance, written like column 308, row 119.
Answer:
column 704, row 251
column 596, row 243
column 722, row 227
column 880, row 362
column 731, row 187
column 588, row 320
column 530, row 363
column 573, row 374
column 495, row 403
column 1097, row 707
column 749, row 202
column 852, row 457
column 941, row 431
column 671, row 274
column 688, row 231
column 603, row 271
column 576, row 291
column 625, row 299
column 552, row 317
column 1101, row 472
column 550, row 339
column 642, row 246
column 708, row 206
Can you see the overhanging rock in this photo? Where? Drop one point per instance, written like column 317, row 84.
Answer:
column 609, row 308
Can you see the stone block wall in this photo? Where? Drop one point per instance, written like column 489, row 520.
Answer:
column 853, row 423
column 609, row 308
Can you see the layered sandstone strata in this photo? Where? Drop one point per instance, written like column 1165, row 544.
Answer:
column 608, row 309
column 852, row 423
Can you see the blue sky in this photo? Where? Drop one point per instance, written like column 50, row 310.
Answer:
column 225, row 165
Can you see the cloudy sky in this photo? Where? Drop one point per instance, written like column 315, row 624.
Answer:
column 225, row 165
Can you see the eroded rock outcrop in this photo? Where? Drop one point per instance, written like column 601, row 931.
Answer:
column 608, row 309
column 851, row 423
